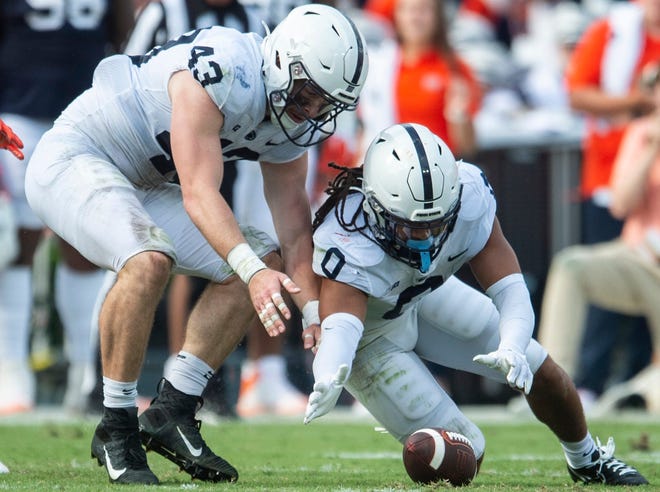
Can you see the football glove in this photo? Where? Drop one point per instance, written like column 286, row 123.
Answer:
column 512, row 364
column 10, row 141
column 325, row 395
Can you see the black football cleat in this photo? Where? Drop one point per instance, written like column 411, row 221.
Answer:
column 116, row 445
column 169, row 428
column 606, row 469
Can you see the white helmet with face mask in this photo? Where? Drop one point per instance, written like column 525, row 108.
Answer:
column 320, row 46
column 413, row 194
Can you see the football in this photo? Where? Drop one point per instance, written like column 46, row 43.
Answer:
column 432, row 455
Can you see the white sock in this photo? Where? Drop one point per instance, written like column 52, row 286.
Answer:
column 579, row 454
column 274, row 385
column 80, row 383
column 15, row 311
column 75, row 297
column 190, row 374
column 272, row 368
column 119, row 395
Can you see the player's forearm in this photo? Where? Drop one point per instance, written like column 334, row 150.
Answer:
column 295, row 236
column 599, row 103
column 341, row 333
column 511, row 297
column 297, row 258
column 215, row 220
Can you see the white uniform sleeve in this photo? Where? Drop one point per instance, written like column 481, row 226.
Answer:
column 341, row 333
column 511, row 297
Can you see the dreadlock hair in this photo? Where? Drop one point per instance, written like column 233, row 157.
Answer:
column 347, row 182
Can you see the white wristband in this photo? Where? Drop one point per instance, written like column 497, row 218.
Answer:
column 244, row 262
column 310, row 313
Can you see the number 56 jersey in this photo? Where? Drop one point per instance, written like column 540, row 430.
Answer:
column 127, row 113
column 395, row 288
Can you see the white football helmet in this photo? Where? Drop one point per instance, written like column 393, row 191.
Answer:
column 413, row 195
column 321, row 46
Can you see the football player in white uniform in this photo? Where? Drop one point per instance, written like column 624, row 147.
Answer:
column 101, row 179
column 387, row 244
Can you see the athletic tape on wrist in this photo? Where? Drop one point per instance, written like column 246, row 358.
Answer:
column 310, row 313
column 244, row 262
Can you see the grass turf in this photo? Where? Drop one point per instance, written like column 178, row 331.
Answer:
column 327, row 455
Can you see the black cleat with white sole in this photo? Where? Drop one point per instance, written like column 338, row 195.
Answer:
column 606, row 469
column 169, row 428
column 116, row 445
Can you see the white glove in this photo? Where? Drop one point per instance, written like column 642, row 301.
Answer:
column 325, row 395
column 512, row 364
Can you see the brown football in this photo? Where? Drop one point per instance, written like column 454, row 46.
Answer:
column 433, row 454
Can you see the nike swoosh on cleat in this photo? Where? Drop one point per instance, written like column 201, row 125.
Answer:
column 452, row 258
column 112, row 472
column 193, row 450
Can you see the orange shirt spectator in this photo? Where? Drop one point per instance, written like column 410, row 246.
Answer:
column 607, row 123
column 424, row 87
column 419, row 78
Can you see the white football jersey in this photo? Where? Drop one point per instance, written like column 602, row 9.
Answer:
column 127, row 112
column 394, row 287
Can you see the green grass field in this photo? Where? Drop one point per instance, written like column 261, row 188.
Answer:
column 332, row 454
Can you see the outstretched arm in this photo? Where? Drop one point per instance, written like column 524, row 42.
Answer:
column 197, row 154
column 343, row 310
column 497, row 270
column 284, row 189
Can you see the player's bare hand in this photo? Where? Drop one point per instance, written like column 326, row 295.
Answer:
column 311, row 336
column 266, row 294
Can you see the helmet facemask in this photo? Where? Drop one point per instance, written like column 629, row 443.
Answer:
column 414, row 242
column 284, row 103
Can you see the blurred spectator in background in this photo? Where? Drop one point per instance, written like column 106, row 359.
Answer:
column 524, row 95
column 502, row 20
column 8, row 240
column 602, row 77
column 623, row 274
column 555, row 29
column 272, row 12
column 161, row 20
column 419, row 77
column 264, row 384
column 48, row 51
column 501, row 118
